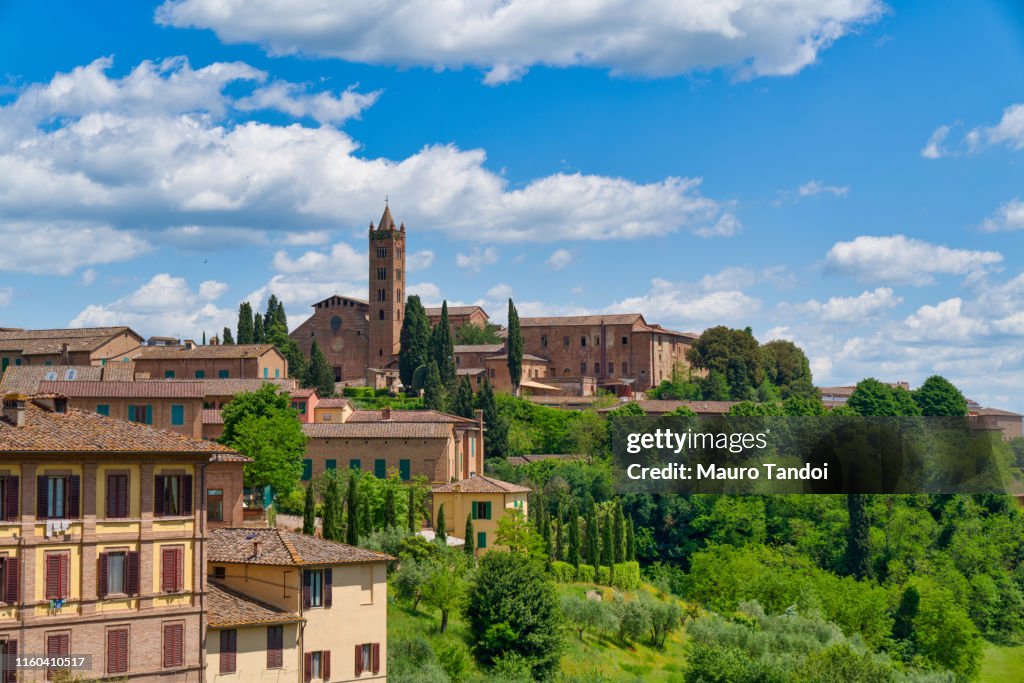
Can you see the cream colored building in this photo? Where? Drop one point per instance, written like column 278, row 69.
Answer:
column 484, row 500
column 329, row 598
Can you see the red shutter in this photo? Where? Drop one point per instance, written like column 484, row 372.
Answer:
column 111, row 498
column 186, row 494
column 74, row 497
column 307, row 667
column 168, row 645
column 101, row 589
column 228, row 648
column 117, row 651
column 328, row 581
column 131, row 573
column 179, row 570
column 11, row 584
column 65, row 576
column 174, row 637
column 275, row 647
column 11, row 503
column 11, row 673
column 359, row 660
column 52, row 576
column 376, row 658
column 325, row 665
column 42, row 496
column 307, row 579
column 167, row 570
column 158, row 495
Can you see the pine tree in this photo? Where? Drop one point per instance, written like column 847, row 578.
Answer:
column 469, row 547
column 331, row 522
column 390, row 513
column 245, row 323
column 574, row 537
column 607, row 548
column 593, row 559
column 559, row 551
column 275, row 315
column 630, row 541
column 619, row 534
column 414, row 341
column 858, row 552
column 515, row 348
column 259, row 335
column 433, row 390
column 352, row 503
column 226, row 337
column 496, row 441
column 440, row 528
column 309, row 512
column 365, row 517
column 411, row 511
column 442, row 349
column 462, row 402
column 318, row 374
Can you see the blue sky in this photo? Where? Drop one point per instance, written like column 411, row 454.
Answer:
column 843, row 173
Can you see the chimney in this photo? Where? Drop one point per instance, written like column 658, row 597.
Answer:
column 256, row 550
column 14, row 409
column 65, row 357
column 214, row 341
column 189, row 344
column 385, row 414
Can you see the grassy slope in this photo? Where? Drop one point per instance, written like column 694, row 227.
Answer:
column 595, row 655
column 1002, row 664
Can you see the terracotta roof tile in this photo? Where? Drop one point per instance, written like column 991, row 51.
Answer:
column 31, row 342
column 230, row 387
column 218, row 351
column 302, row 393
column 405, row 416
column 481, row 484
column 610, row 319
column 280, row 547
column 333, row 402
column 227, row 607
column 454, row 310
column 479, row 348
column 212, row 416
column 25, row 379
column 377, row 430
column 143, row 389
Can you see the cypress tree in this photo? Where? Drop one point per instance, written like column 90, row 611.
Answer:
column 607, row 553
column 309, row 512
column 593, row 559
column 440, row 527
column 204, row 337
column 619, row 535
column 245, row 323
column 545, row 529
column 630, row 541
column 559, row 551
column 462, row 404
column 259, row 335
column 365, row 517
column 469, row 547
column 390, row 514
column 414, row 340
column 352, row 502
column 226, row 337
column 411, row 511
column 574, row 537
column 515, row 348
column 903, row 624
column 857, row 546
column 442, row 349
column 332, row 510
column 318, row 373
column 433, row 389
column 275, row 315
column 496, row 441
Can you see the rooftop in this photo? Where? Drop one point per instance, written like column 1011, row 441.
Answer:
column 25, row 379
column 31, row 342
column 231, row 608
column 377, row 430
column 405, row 416
column 479, row 348
column 333, row 402
column 284, row 548
column 480, row 484
column 208, row 351
column 435, row 312
column 142, row 389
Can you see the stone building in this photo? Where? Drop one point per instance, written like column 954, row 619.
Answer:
column 227, row 361
column 76, row 346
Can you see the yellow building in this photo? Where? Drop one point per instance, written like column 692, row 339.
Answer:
column 484, row 500
column 330, row 600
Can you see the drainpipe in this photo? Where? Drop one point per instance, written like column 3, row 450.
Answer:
column 202, row 570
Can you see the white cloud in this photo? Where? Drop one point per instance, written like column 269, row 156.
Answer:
column 419, row 260
column 726, row 226
column 311, row 238
column 477, row 259
column 559, row 259
column 6, row 295
column 816, row 187
column 88, row 277
column 651, row 38
column 943, row 322
column 933, row 148
column 685, row 304
column 852, row 309
column 60, row 248
column 1009, row 131
column 428, row 292
column 499, row 292
column 1009, row 216
column 898, row 259
column 164, row 306
column 295, row 100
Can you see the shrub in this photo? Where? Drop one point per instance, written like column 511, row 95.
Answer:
column 292, row 502
column 627, row 576
column 585, row 573
column 456, row 661
column 563, row 572
column 602, row 576
column 634, row 618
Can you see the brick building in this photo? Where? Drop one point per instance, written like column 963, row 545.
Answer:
column 76, row 346
column 459, row 316
column 227, row 361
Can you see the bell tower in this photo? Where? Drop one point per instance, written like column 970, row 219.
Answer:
column 387, row 290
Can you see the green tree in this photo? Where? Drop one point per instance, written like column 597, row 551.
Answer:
column 414, row 340
column 787, row 367
column 903, row 624
column 496, row 441
column 593, row 558
column 332, row 509
column 442, row 350
column 462, row 402
column 352, row 505
column 630, row 541
column 245, row 324
column 275, row 324
column 515, row 533
column 714, row 387
column 584, row 614
column 265, row 402
column 441, row 525
column 858, row 549
column 226, row 337
column 434, row 395
column 732, row 353
column 512, row 608
column 411, row 511
column 873, row 398
column 446, row 583
column 472, row 334
column 607, row 548
column 258, row 333
column 319, row 375
column 515, row 348
column 365, row 516
column 390, row 513
column 309, row 512
column 275, row 315
column 574, row 537
column 410, row 580
column 262, row 425
column 937, row 396
column 469, row 547
column 618, row 534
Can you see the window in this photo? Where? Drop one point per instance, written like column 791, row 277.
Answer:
column 307, row 469
column 382, row 295
column 275, row 647
column 143, row 414
column 332, row 464
column 611, row 368
column 8, row 651
column 336, row 323
column 177, row 414
column 481, row 540
column 172, row 569
column 215, row 505
column 117, row 496
column 625, row 341
column 9, row 488
column 544, row 340
column 266, row 373
column 223, row 374
column 625, row 371
column 481, row 510
column 398, row 252
column 381, row 316
column 220, row 573
column 57, row 645
column 168, row 374
column 317, row 665
column 565, row 341
column 9, row 587
column 57, row 496
column 380, row 468
column 228, row 650
column 299, row 407
column 404, row 470
column 57, row 572
column 118, row 573
column 597, row 368
column 583, row 341
column 173, row 495
column 103, row 409
column 317, row 587
column 117, row 650
column 382, row 252
column 200, row 374
column 174, row 645
column 583, row 367
column 382, row 273
column 597, row 340
column 277, row 373
column 367, row 658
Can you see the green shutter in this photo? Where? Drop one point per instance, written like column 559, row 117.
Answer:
column 177, row 414
column 103, row 409
column 481, row 540
column 307, row 469
column 332, row 464
column 223, row 374
column 404, row 470
column 4, row 362
column 472, row 507
column 131, row 413
column 380, row 468
column 149, row 414
column 355, row 464
column 487, row 510
column 168, row 374
column 200, row 374
column 277, row 373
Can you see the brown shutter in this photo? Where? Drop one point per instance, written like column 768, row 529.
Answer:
column 228, row 645
column 186, row 494
column 52, row 576
column 65, row 575
column 168, row 645
column 376, row 658
column 123, row 495
column 101, row 589
column 158, row 495
column 275, row 647
column 359, row 660
column 307, row 667
column 328, row 590
column 131, row 573
column 168, row 572
column 11, row 503
column 325, row 665
column 179, row 570
column 307, row 579
column 42, row 496
column 122, row 646
column 11, row 584
column 74, row 496
column 113, row 652
column 11, row 673
column 179, row 644
column 111, row 498
column 174, row 654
